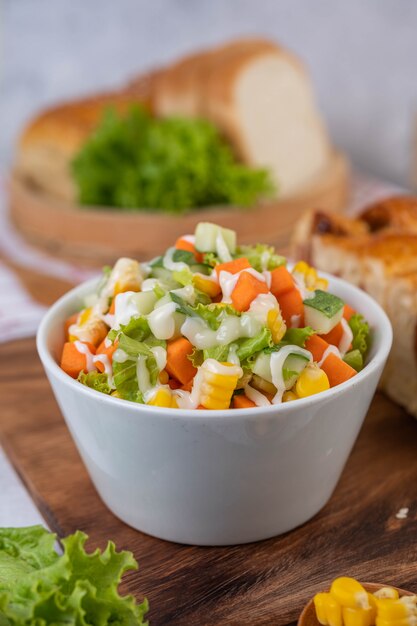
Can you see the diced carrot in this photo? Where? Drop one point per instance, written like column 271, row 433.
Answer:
column 291, row 304
column 348, row 311
column 200, row 406
column 242, row 402
column 112, row 309
column 281, row 281
column 69, row 322
column 106, row 351
column 337, row 370
column 233, row 267
column 178, row 364
column 72, row 361
column 188, row 386
column 183, row 244
column 246, row 290
column 174, row 383
column 317, row 346
column 335, row 335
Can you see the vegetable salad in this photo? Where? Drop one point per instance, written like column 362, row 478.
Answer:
column 213, row 325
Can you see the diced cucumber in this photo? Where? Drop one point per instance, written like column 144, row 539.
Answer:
column 206, row 237
column 262, row 366
column 145, row 301
column 165, row 276
column 323, row 311
column 293, row 366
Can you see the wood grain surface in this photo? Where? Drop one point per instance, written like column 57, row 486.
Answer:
column 264, row 583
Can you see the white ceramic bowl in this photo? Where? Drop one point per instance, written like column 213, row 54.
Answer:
column 215, row 477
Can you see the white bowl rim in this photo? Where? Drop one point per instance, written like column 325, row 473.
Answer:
column 275, row 410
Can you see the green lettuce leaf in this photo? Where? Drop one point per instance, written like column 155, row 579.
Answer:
column 248, row 348
column 261, row 256
column 126, row 382
column 183, row 277
column 361, row 334
column 296, row 336
column 219, row 353
column 213, row 314
column 354, row 358
column 95, row 380
column 40, row 588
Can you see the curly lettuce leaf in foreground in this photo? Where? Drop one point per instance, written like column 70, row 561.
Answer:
column 361, row 334
column 39, row 587
column 95, row 380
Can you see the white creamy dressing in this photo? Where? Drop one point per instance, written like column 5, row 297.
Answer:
column 122, row 267
column 213, row 366
column 299, row 284
column 160, row 355
column 120, row 356
column 107, row 342
column 142, row 373
column 161, row 321
column 346, row 339
column 232, row 328
column 126, row 307
column 186, row 293
column 211, row 277
column 222, row 249
column 89, row 357
column 149, row 284
column 189, row 238
column 261, row 305
column 108, row 369
column 277, row 364
column 329, row 350
column 256, row 396
column 265, row 257
column 295, row 321
column 228, row 281
column 232, row 355
column 170, row 264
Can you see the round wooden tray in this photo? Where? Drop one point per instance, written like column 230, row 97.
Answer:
column 95, row 236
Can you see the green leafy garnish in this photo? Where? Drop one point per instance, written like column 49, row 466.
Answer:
column 296, row 336
column 354, row 358
column 261, row 256
column 219, row 353
column 95, row 380
column 137, row 162
column 211, row 259
column 361, row 334
column 40, row 588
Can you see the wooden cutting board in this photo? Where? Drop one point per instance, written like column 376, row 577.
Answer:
column 266, row 583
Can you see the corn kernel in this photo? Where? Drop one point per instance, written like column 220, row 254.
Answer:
column 210, row 287
column 358, row 617
column 276, row 325
column 320, row 600
column 349, row 593
column 84, row 316
column 89, row 327
column 396, row 609
column 333, row 612
column 312, row 380
column 128, row 276
column 216, row 389
column 289, row 396
column 162, row 398
column 311, row 279
column 386, row 593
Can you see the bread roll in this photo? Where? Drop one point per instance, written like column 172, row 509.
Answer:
column 377, row 252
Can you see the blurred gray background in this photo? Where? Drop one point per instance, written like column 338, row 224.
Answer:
column 362, row 55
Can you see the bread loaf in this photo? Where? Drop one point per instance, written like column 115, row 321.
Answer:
column 377, row 252
column 258, row 95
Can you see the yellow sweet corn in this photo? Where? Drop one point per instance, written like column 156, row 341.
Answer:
column 333, row 612
column 358, row 617
column 210, row 287
column 276, row 324
column 126, row 276
column 216, row 385
column 320, row 602
column 393, row 611
column 163, row 398
column 312, row 380
column 387, row 593
column 89, row 327
column 311, row 279
column 289, row 396
column 349, row 593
